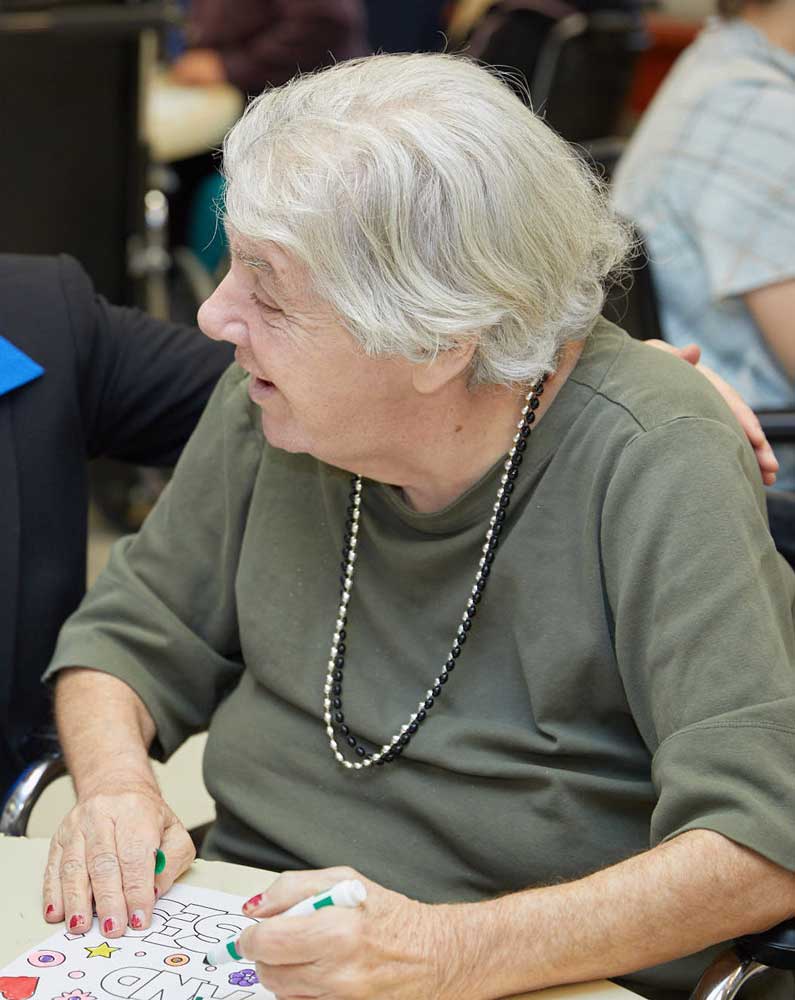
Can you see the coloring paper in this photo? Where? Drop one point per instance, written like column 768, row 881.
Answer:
column 163, row 962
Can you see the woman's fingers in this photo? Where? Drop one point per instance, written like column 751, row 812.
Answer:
column 748, row 420
column 690, row 352
column 52, row 897
column 292, row 887
column 104, row 869
column 179, row 851
column 286, row 981
column 75, row 884
column 135, row 848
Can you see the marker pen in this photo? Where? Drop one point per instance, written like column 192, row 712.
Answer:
column 349, row 894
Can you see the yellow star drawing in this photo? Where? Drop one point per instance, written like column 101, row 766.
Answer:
column 103, row 950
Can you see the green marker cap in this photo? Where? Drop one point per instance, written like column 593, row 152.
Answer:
column 160, row 862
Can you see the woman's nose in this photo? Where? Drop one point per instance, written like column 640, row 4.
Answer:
column 219, row 321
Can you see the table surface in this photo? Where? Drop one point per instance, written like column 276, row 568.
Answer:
column 22, row 925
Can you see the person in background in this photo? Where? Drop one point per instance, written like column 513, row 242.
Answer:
column 255, row 44
column 709, row 180
column 252, row 44
column 79, row 378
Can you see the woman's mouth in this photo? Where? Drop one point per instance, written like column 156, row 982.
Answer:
column 260, row 388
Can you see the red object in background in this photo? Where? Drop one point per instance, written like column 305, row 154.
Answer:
column 668, row 37
column 18, row 987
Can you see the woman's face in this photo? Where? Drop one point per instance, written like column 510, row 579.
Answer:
column 316, row 389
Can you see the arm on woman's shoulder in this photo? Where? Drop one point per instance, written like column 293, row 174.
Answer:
column 745, row 416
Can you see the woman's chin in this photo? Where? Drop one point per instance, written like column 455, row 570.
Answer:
column 280, row 435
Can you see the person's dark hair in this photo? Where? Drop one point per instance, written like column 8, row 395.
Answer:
column 731, row 8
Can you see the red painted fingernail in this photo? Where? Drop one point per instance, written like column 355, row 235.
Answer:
column 108, row 926
column 76, row 919
column 137, row 919
column 250, row 904
column 157, row 892
column 50, row 909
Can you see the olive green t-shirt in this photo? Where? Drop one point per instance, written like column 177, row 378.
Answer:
column 630, row 674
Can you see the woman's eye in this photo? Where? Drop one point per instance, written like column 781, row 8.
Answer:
column 262, row 305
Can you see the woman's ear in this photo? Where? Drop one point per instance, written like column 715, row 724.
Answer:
column 431, row 376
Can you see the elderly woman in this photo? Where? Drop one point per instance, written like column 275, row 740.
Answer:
column 474, row 593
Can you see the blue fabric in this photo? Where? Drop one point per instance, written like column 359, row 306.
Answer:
column 16, row 368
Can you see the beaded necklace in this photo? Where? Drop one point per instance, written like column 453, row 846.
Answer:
column 333, row 715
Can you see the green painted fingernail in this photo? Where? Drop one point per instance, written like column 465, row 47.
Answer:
column 160, row 862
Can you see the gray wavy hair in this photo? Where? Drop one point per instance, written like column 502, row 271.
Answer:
column 430, row 207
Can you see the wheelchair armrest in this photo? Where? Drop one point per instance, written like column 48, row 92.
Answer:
column 778, row 425
column 25, row 793
column 751, row 957
column 775, row 947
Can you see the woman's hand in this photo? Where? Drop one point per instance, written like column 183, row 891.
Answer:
column 105, row 850
column 389, row 946
column 748, row 420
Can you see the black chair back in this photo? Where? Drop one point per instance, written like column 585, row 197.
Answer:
column 632, row 302
column 578, row 67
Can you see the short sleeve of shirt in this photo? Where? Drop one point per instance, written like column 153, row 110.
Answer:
column 703, row 618
column 744, row 205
